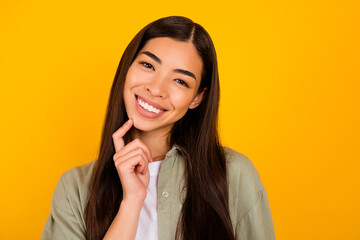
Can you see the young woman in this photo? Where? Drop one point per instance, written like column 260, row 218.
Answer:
column 161, row 172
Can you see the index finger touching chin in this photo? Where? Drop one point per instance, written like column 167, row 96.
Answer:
column 119, row 134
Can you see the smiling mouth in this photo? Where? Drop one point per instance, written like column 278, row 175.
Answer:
column 148, row 107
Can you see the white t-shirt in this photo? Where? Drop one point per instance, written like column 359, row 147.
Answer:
column 147, row 226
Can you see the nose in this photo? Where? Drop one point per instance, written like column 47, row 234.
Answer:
column 157, row 86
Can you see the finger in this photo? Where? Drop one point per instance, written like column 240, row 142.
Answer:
column 139, row 151
column 141, row 169
column 119, row 134
column 129, row 165
column 136, row 143
column 119, row 157
column 134, row 147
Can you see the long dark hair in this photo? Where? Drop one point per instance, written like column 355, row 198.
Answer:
column 205, row 212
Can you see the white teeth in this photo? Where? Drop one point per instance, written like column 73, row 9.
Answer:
column 148, row 107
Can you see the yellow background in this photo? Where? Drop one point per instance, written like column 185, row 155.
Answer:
column 289, row 73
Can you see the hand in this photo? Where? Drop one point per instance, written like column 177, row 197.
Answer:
column 131, row 162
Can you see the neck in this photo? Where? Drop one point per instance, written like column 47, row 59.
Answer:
column 155, row 141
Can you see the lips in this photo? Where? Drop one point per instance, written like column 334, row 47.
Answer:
column 154, row 104
column 148, row 108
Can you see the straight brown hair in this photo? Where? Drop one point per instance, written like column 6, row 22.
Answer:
column 205, row 211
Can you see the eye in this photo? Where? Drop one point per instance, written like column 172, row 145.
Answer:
column 147, row 65
column 182, row 82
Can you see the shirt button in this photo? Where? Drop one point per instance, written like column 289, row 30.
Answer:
column 165, row 194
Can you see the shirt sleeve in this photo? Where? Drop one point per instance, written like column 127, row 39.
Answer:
column 62, row 222
column 257, row 223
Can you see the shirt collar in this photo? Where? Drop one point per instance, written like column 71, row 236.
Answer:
column 173, row 151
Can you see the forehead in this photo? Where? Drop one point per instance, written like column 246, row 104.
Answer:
column 175, row 54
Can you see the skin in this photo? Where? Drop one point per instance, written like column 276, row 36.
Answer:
column 160, row 84
column 158, row 81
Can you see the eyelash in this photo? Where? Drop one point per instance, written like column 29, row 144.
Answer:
column 148, row 65
column 182, row 82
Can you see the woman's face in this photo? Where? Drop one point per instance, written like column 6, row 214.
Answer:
column 162, row 83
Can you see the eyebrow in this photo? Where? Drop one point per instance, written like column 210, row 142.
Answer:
column 156, row 59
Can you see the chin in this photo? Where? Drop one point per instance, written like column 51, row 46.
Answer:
column 142, row 125
column 147, row 126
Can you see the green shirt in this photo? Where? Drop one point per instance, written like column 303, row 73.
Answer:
column 248, row 202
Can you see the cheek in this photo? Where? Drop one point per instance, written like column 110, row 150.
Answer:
column 134, row 77
column 130, row 81
column 181, row 99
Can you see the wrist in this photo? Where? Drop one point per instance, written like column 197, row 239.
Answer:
column 134, row 199
column 132, row 204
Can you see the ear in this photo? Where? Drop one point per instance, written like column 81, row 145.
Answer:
column 197, row 100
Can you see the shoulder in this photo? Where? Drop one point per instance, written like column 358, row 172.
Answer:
column 237, row 159
column 68, row 204
column 241, row 169
column 72, row 188
column 248, row 201
column 245, row 186
column 79, row 176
